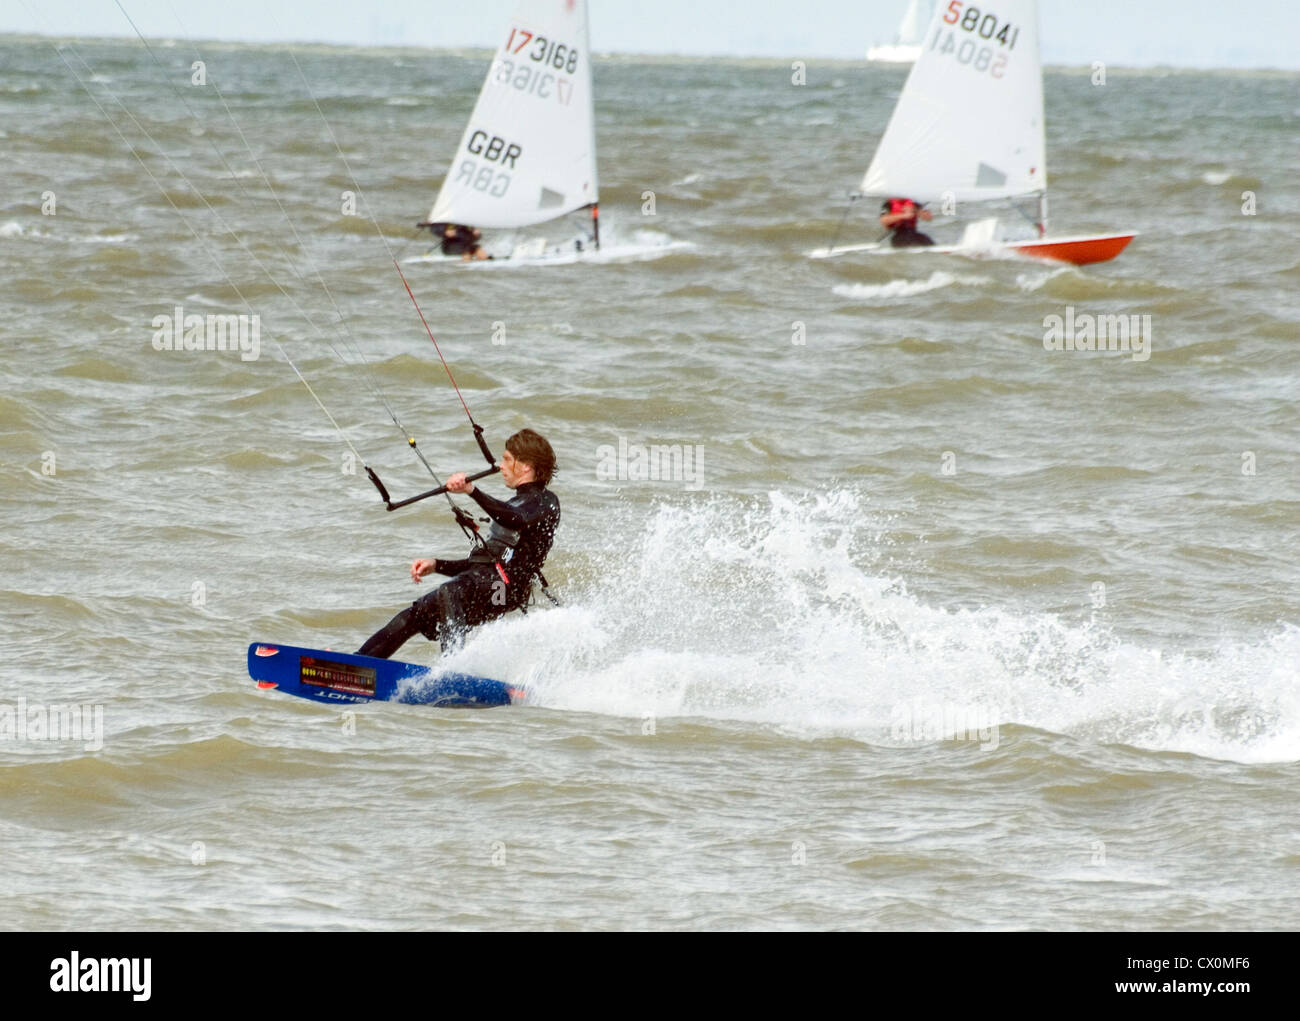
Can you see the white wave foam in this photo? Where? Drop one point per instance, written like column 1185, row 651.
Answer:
column 1036, row 279
column 907, row 288
column 777, row 614
column 14, row 229
column 643, row 245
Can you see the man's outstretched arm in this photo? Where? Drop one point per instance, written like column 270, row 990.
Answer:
column 512, row 515
column 420, row 568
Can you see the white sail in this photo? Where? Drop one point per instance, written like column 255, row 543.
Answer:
column 914, row 21
column 969, row 123
column 528, row 153
column 906, row 46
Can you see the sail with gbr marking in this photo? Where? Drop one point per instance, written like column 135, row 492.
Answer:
column 528, row 154
column 969, row 122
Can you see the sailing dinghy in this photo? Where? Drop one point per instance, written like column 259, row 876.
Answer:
column 906, row 46
column 528, row 154
column 968, row 128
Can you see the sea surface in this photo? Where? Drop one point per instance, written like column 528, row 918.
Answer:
column 929, row 627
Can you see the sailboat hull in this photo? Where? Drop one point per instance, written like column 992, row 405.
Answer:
column 1080, row 251
column 893, row 54
column 1077, row 250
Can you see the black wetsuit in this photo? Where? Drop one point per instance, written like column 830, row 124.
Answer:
column 909, row 237
column 491, row 581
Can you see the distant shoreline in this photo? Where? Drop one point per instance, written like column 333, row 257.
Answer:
column 484, row 53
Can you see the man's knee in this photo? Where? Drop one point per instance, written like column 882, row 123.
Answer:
column 439, row 613
column 448, row 607
column 428, row 613
column 453, row 608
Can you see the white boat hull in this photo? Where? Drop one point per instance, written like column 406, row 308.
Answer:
column 893, row 54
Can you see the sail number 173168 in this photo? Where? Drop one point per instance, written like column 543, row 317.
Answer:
column 539, row 59
column 979, row 24
column 547, row 52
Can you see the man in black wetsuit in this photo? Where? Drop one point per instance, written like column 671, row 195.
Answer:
column 496, row 578
column 900, row 215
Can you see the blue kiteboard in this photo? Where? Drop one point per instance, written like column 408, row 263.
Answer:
column 343, row 678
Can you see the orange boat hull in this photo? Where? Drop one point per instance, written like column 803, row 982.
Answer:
column 1079, row 251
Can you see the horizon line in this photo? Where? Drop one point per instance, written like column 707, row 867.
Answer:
column 164, row 40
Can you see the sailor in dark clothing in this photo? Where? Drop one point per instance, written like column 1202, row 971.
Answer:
column 457, row 239
column 899, row 216
column 497, row 577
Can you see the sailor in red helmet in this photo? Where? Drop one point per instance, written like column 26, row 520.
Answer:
column 899, row 216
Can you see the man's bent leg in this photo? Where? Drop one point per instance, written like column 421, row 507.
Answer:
column 455, row 605
column 461, row 605
column 445, row 629
column 426, row 616
column 445, row 615
column 392, row 636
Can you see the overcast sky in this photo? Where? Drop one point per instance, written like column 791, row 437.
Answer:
column 1142, row 33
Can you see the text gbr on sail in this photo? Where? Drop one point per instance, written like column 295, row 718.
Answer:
column 491, row 149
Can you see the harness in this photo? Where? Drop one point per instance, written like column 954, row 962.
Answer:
column 497, row 550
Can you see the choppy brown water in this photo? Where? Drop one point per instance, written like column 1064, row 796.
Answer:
column 746, row 705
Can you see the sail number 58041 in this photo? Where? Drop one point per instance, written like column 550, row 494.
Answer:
column 982, row 24
column 977, row 23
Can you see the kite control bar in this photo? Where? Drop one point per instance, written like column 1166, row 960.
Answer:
column 390, row 505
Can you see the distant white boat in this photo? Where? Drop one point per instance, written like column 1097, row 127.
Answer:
column 906, row 46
